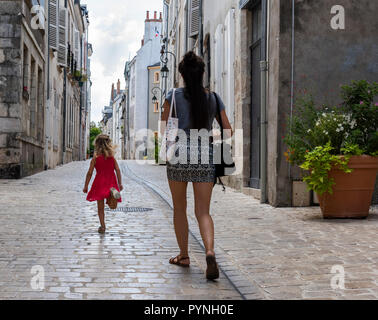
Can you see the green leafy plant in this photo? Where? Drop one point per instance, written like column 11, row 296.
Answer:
column 93, row 133
column 358, row 101
column 323, row 137
column 319, row 162
column 300, row 138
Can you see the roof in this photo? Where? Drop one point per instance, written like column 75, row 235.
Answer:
column 155, row 65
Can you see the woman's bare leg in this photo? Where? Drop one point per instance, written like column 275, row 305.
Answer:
column 180, row 221
column 101, row 212
column 202, row 199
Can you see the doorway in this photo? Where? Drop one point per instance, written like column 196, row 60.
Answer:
column 256, row 95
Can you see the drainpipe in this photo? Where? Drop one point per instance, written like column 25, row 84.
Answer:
column 200, row 36
column 48, row 92
column 148, row 108
column 264, row 75
column 64, row 106
column 292, row 70
column 64, row 114
column 128, row 117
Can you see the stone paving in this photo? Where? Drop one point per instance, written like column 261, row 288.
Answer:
column 45, row 221
column 284, row 253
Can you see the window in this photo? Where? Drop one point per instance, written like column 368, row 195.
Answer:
column 157, row 77
column 33, row 98
column 26, row 68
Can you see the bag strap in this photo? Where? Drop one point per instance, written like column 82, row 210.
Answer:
column 173, row 104
column 219, row 115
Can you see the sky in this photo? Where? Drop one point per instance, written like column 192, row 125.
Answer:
column 115, row 32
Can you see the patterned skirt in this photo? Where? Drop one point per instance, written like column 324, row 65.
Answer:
column 193, row 163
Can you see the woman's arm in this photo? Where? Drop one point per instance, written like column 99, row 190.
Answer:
column 226, row 124
column 119, row 176
column 89, row 175
column 164, row 117
column 165, row 114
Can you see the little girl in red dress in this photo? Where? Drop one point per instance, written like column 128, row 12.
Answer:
column 105, row 184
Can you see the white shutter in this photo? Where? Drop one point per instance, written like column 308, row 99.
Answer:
column 77, row 48
column 229, row 58
column 218, row 60
column 194, row 17
column 62, row 52
column 53, row 24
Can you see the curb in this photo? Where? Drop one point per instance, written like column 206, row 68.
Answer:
column 246, row 289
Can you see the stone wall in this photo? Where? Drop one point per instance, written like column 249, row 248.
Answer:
column 323, row 60
column 10, row 89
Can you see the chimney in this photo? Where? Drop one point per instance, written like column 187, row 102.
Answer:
column 118, row 87
column 148, row 15
column 112, row 95
column 161, row 17
column 155, row 17
column 142, row 42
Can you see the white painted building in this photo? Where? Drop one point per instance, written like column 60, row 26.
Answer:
column 148, row 55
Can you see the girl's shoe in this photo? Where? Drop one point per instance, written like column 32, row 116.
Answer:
column 115, row 193
column 212, row 271
column 101, row 230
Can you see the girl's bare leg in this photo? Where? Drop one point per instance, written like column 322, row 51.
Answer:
column 180, row 221
column 101, row 212
column 202, row 199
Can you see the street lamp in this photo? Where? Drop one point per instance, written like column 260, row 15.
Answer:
column 164, row 71
column 164, row 59
column 154, row 92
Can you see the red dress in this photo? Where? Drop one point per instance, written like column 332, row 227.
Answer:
column 105, row 179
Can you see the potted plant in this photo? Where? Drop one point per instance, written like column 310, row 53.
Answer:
column 338, row 148
column 77, row 75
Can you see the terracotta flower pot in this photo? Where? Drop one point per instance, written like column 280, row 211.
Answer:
column 353, row 192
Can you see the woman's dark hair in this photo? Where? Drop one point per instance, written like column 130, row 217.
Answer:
column 192, row 69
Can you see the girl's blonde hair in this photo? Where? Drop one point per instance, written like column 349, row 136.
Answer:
column 103, row 146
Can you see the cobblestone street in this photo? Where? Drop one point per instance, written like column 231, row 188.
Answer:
column 264, row 252
column 284, row 253
column 45, row 221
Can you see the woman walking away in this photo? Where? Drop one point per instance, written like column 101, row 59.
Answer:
column 105, row 184
column 196, row 108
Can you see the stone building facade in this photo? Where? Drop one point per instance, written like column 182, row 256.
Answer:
column 43, row 87
column 118, row 126
column 290, row 44
column 22, row 90
column 139, row 90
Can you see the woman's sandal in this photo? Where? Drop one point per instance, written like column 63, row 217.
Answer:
column 101, row 230
column 212, row 271
column 177, row 261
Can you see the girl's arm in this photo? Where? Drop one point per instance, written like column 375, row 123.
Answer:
column 119, row 177
column 89, row 174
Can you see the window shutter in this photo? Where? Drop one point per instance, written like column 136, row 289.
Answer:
column 194, row 17
column 53, row 24
column 218, row 60
column 77, row 48
column 229, row 58
column 62, row 51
